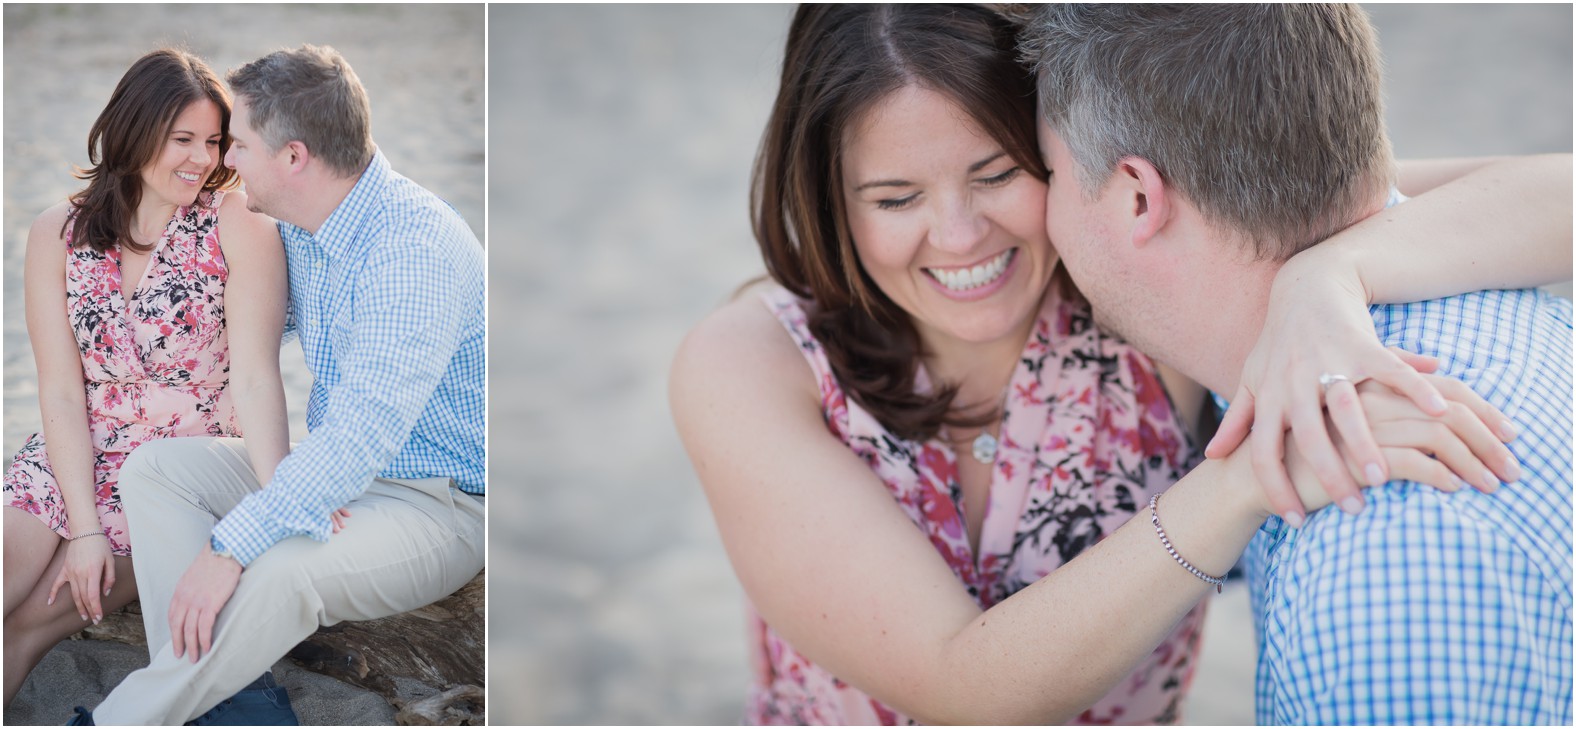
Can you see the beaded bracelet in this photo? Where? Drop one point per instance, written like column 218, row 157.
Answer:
column 1154, row 518
column 99, row 533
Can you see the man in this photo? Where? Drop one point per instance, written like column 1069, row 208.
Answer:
column 386, row 289
column 1193, row 150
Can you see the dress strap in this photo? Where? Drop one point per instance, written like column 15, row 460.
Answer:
column 790, row 312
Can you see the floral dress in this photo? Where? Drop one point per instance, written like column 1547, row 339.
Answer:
column 1088, row 434
column 154, row 367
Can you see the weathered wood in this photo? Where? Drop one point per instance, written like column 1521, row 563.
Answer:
column 442, row 646
column 122, row 626
column 461, row 705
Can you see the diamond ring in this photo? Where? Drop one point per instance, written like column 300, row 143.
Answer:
column 1327, row 379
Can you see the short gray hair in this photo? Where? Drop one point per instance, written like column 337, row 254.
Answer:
column 1268, row 118
column 311, row 95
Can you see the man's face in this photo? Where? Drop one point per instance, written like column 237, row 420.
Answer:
column 1082, row 231
column 260, row 169
column 1139, row 292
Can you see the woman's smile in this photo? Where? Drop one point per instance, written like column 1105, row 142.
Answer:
column 971, row 283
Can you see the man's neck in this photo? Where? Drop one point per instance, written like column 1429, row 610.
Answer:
column 319, row 203
column 1221, row 340
column 1223, row 334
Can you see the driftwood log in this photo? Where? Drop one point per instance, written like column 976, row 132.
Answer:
column 429, row 663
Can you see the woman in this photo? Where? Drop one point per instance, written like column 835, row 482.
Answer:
column 155, row 302
column 862, row 617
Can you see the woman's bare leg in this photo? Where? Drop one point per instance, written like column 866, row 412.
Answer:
column 29, row 547
column 35, row 626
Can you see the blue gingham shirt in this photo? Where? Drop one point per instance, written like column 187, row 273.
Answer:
column 1428, row 607
column 388, row 300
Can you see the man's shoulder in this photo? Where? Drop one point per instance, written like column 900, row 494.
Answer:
column 407, row 198
column 1511, row 346
column 1490, row 312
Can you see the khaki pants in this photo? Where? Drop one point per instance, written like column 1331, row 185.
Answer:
column 407, row 543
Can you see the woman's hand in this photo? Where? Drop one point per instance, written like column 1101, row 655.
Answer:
column 90, row 568
column 1447, row 452
column 338, row 517
column 1317, row 324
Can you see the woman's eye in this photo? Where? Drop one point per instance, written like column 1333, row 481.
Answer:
column 896, row 204
column 1002, row 178
column 183, row 140
column 213, row 142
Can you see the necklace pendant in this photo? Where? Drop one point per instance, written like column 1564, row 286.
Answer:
column 985, row 448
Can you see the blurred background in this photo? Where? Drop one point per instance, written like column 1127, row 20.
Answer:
column 622, row 140
column 423, row 67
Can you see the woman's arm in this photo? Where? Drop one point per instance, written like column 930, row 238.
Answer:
column 254, row 306
column 834, row 565
column 1494, row 224
column 1503, row 225
column 62, row 400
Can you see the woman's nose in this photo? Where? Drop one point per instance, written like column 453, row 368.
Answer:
column 958, row 228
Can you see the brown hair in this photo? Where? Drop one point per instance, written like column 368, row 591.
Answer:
column 311, row 95
column 128, row 135
column 1269, row 118
column 840, row 61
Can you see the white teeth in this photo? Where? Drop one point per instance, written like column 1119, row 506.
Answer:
column 188, row 176
column 963, row 279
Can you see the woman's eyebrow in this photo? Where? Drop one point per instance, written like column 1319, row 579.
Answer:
column 884, row 183
column 980, row 165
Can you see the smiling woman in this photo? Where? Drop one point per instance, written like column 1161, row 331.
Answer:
column 127, row 311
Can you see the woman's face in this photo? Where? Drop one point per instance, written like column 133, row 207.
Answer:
column 944, row 221
column 189, row 155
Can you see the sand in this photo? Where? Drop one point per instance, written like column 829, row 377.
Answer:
column 622, row 140
column 423, row 68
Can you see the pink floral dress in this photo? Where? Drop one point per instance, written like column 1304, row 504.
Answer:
column 154, row 367
column 1088, row 434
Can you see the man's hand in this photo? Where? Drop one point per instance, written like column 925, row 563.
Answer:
column 199, row 596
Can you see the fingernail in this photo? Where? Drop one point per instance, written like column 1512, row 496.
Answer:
column 1374, row 473
column 1512, row 469
column 84, row 617
column 50, row 601
column 1507, row 431
column 1489, row 479
column 1458, row 482
column 1352, row 505
column 1293, row 518
column 1437, row 402
column 106, row 592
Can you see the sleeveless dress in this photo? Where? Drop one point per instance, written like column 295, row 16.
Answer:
column 1088, row 434
column 154, row 367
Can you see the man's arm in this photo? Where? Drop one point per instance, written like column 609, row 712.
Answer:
column 408, row 314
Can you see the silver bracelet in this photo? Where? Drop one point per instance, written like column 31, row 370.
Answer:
column 1154, row 518
column 99, row 533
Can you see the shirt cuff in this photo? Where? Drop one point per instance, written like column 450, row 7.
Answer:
column 246, row 533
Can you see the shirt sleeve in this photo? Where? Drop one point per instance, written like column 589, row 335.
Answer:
column 405, row 319
column 1416, row 611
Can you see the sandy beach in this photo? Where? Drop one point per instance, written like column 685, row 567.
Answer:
column 423, row 68
column 622, row 139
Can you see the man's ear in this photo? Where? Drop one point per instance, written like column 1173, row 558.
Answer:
column 298, row 155
column 1145, row 193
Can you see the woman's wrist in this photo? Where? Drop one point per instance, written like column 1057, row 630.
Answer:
column 1328, row 267
column 1242, row 499
column 85, row 526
